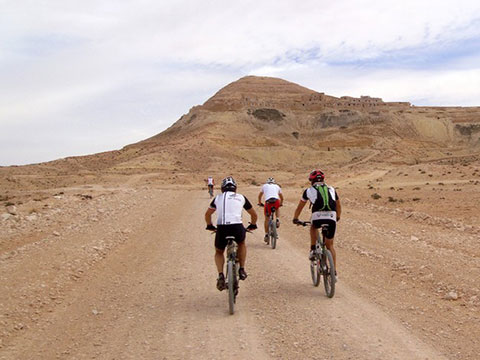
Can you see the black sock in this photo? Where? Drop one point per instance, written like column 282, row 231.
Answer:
column 312, row 247
column 220, row 274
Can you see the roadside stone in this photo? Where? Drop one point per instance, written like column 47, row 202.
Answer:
column 12, row 209
column 413, row 238
column 56, row 233
column 6, row 216
column 32, row 217
column 452, row 295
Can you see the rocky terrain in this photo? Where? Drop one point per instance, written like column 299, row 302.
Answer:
column 105, row 256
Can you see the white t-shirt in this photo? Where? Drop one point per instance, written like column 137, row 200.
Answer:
column 271, row 191
column 229, row 207
column 210, row 181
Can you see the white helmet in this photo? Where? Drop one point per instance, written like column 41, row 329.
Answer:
column 270, row 180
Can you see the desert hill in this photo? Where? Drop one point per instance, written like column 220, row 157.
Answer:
column 262, row 124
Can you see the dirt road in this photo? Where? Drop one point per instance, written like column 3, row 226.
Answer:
column 129, row 274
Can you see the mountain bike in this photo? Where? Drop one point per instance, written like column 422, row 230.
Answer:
column 232, row 273
column 322, row 263
column 272, row 228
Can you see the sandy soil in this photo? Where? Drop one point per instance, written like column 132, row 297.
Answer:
column 128, row 273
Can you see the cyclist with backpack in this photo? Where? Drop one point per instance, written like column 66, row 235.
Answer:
column 326, row 209
column 229, row 205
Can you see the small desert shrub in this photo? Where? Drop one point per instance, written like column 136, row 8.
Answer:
column 376, row 196
column 416, row 199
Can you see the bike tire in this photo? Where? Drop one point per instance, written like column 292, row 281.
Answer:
column 329, row 278
column 315, row 271
column 273, row 235
column 231, row 287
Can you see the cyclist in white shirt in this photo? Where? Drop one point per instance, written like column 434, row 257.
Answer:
column 210, row 183
column 229, row 205
column 273, row 198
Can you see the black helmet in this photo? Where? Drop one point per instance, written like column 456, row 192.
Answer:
column 229, row 184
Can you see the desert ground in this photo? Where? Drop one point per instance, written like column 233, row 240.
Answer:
column 106, row 256
column 125, row 271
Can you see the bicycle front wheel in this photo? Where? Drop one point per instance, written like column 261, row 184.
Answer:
column 231, row 286
column 315, row 271
column 328, row 273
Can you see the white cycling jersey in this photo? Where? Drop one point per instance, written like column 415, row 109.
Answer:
column 229, row 207
column 210, row 181
column 271, row 191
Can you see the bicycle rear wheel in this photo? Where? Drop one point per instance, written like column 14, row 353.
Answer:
column 273, row 234
column 231, row 286
column 328, row 273
column 315, row 271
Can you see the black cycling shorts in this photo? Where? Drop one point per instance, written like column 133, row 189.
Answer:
column 236, row 230
column 332, row 226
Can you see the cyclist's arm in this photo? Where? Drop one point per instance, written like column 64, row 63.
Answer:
column 339, row 209
column 298, row 210
column 260, row 197
column 208, row 216
column 253, row 216
column 281, row 199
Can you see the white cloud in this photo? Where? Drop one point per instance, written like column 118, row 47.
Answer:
column 131, row 68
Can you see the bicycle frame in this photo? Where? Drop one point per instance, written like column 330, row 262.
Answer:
column 322, row 264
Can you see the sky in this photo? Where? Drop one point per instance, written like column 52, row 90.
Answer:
column 81, row 77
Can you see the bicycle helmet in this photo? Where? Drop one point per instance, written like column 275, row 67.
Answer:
column 270, row 180
column 229, row 184
column 316, row 176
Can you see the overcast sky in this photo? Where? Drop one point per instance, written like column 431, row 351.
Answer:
column 79, row 77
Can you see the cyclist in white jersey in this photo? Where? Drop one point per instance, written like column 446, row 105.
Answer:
column 326, row 209
column 229, row 205
column 273, row 198
column 210, row 182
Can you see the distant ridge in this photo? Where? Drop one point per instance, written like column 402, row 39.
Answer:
column 264, row 123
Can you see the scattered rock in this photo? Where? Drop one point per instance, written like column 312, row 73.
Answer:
column 12, row 209
column 56, row 233
column 32, row 217
column 6, row 216
column 452, row 295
